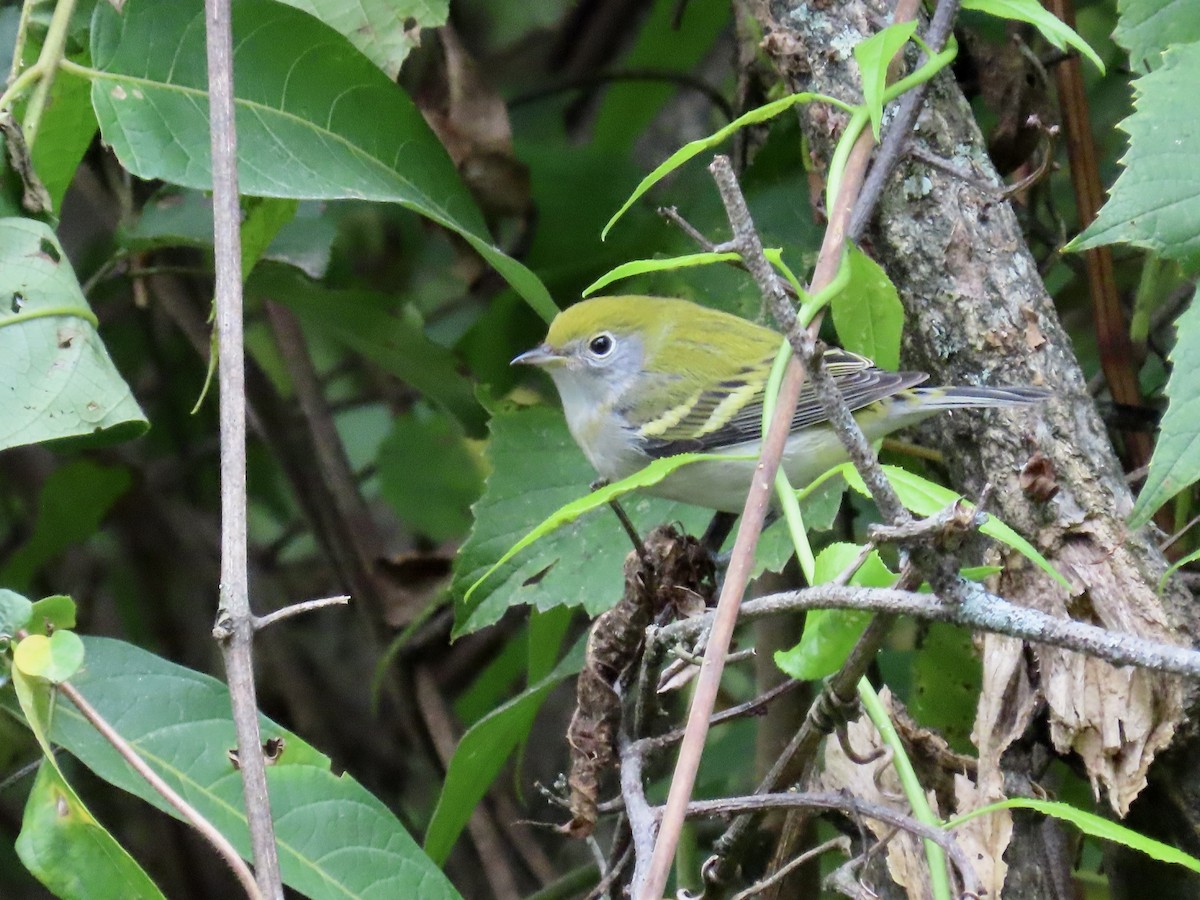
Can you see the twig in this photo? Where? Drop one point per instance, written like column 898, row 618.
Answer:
column 841, row 842
column 849, row 805
column 207, row 830
column 978, row 610
column 749, row 708
column 895, row 140
column 296, row 609
column 235, row 622
column 642, row 825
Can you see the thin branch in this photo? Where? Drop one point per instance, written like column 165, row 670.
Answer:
column 895, row 140
column 235, row 623
column 849, row 805
column 207, row 830
column 841, row 842
column 261, row 622
column 978, row 610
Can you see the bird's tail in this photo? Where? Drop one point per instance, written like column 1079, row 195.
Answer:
column 932, row 399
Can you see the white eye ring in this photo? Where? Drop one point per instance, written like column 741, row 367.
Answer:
column 601, row 345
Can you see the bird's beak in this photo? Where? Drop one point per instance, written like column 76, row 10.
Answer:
column 543, row 355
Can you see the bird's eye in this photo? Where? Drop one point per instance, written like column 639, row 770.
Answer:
column 601, row 344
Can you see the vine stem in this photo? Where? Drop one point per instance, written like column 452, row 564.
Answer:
column 47, row 66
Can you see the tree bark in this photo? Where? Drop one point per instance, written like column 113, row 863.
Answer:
column 978, row 313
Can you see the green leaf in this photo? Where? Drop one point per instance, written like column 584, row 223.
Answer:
column 384, row 30
column 15, row 613
column 388, row 334
column 830, row 634
column 1146, row 28
column 1155, row 202
column 538, row 473
column 1051, row 27
column 55, row 658
column 73, row 501
column 693, row 148
column 71, row 853
column 819, row 505
column 873, row 56
column 335, row 839
column 331, row 126
column 1090, row 824
column 868, row 314
column 262, row 220
column 65, row 133
column 429, row 475
column 55, row 611
column 923, row 497
column 482, row 753
column 59, row 380
column 947, row 676
column 1176, row 461
column 643, row 266
column 177, row 217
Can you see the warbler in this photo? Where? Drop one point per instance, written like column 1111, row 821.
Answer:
column 642, row 378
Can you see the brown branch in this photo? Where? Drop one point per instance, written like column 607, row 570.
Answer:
column 189, row 813
column 485, row 834
column 1117, row 356
column 235, row 623
column 296, row 609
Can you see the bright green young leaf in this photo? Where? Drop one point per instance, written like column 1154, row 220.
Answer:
column 868, row 314
column 1031, row 11
column 482, row 753
column 73, row 501
column 1090, row 824
column 384, row 30
column 923, row 497
column 873, row 56
column 335, row 839
column 330, row 126
column 59, row 380
column 642, row 266
column 1155, row 202
column 830, row 634
column 384, row 331
column 15, row 613
column 55, row 611
column 1176, row 461
column 429, row 474
column 692, row 149
column 71, row 853
column 55, row 658
column 1148, row 27
column 539, row 474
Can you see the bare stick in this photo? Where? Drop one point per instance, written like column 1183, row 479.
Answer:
column 895, row 141
column 296, row 609
column 750, row 526
column 976, row 609
column 235, row 623
column 850, row 805
column 207, row 830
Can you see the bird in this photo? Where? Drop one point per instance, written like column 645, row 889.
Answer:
column 642, row 378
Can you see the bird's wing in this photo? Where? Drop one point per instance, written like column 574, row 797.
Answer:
column 731, row 414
